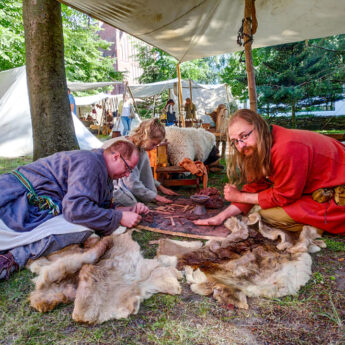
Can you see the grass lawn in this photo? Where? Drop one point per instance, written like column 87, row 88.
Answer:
column 315, row 316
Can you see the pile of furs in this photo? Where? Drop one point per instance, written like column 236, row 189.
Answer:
column 110, row 278
column 106, row 280
column 253, row 261
column 192, row 143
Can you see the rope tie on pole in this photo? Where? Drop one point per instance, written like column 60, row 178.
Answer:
column 241, row 34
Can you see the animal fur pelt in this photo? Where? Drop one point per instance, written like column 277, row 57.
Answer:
column 192, row 143
column 107, row 281
column 253, row 261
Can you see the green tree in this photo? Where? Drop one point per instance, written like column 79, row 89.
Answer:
column 12, row 51
column 82, row 45
column 294, row 76
column 83, row 49
column 158, row 66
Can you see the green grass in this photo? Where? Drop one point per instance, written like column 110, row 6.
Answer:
column 314, row 316
column 334, row 245
column 9, row 164
column 331, row 131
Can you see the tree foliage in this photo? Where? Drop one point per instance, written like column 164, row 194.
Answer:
column 83, row 46
column 292, row 76
column 12, row 51
column 158, row 66
column 83, row 49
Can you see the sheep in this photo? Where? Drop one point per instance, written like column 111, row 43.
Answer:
column 192, row 143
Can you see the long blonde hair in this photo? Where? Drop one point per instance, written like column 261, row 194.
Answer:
column 245, row 170
column 148, row 130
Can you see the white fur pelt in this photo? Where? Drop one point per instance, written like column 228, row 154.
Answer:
column 107, row 281
column 254, row 261
column 195, row 144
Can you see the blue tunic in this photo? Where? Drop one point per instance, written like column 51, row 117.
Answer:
column 77, row 181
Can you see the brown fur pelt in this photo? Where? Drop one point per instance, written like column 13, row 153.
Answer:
column 253, row 261
column 108, row 280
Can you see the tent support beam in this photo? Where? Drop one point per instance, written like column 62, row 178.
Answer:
column 249, row 29
column 180, row 101
column 190, row 91
column 134, row 102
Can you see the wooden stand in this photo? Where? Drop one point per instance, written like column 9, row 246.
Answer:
column 162, row 171
column 219, row 139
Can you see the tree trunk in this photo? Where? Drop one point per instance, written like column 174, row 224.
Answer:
column 293, row 116
column 52, row 123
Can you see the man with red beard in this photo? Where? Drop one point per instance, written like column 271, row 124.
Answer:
column 297, row 177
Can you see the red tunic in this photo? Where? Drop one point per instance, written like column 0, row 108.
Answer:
column 303, row 161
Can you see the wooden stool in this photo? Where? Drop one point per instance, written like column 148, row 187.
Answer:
column 162, row 171
column 165, row 177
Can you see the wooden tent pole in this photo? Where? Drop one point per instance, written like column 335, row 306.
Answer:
column 249, row 28
column 134, row 102
column 227, row 93
column 190, row 91
column 124, row 91
column 154, row 105
column 180, row 100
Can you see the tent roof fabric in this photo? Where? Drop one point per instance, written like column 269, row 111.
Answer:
column 80, row 86
column 205, row 97
column 151, row 89
column 198, row 28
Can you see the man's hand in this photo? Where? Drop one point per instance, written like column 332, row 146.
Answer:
column 130, row 219
column 140, row 208
column 163, row 199
column 166, row 191
column 216, row 220
column 231, row 193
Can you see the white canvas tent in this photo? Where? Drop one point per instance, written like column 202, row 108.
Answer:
column 15, row 118
column 197, row 28
column 85, row 105
column 205, row 97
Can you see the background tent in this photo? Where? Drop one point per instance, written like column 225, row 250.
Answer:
column 205, row 97
column 197, row 28
column 85, row 106
column 15, row 118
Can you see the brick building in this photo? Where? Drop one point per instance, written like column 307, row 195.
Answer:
column 124, row 50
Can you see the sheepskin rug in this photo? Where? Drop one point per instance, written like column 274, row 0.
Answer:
column 107, row 281
column 253, row 261
column 195, row 144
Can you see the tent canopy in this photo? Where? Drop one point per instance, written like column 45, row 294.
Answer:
column 198, row 28
column 81, row 86
column 205, row 97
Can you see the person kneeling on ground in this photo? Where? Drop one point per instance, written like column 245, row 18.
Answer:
column 296, row 176
column 60, row 200
column 140, row 184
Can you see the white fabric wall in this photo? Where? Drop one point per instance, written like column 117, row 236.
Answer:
column 15, row 119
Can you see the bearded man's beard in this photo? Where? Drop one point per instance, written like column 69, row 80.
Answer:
column 251, row 164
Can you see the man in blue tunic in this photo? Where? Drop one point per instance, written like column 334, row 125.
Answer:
column 61, row 200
